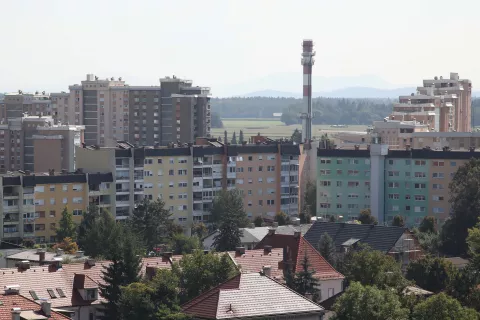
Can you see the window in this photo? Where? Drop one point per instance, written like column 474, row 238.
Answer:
column 171, row 161
column 159, row 161
column 270, row 202
column 52, row 213
column 331, row 292
column 260, row 168
column 339, row 161
column 453, row 163
column 239, row 169
column 65, row 187
column 394, row 208
column 271, row 168
column 325, row 161
column 394, row 196
column 260, row 157
column 353, row 161
column 260, row 202
column 367, row 161
column 367, row 173
column 420, row 185
column 170, row 184
column 325, row 205
column 269, row 180
column 325, row 183
column 272, row 157
column 250, row 158
column 77, row 187
column 438, row 163
column 171, row 172
column 52, row 200
column 408, row 162
column 339, row 183
column 39, row 189
column 407, row 197
column 60, row 293
column 420, row 162
column 339, row 206
column 352, row 206
column 182, row 160
column 437, row 186
column 34, row 295
column 407, row 208
column 407, row 174
column 419, row 197
column 39, row 202
column 438, row 210
column 393, row 173
column 438, row 175
column 438, row 198
column 419, row 209
column 160, row 172
column 52, row 188
column 353, row 184
column 77, row 200
column 420, row 175
column 250, row 181
column 250, row 169
column 339, row 172
column 391, row 162
column 77, row 212
column 352, row 172
column 260, row 180
column 182, row 184
column 51, row 293
column 393, row 185
column 353, row 196
column 239, row 181
column 182, row 172
column 65, row 201
column 91, row 294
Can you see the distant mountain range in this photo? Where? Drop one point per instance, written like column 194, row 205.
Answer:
column 351, row 92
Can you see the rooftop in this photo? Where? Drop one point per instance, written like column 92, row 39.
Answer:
column 28, row 308
column 247, row 296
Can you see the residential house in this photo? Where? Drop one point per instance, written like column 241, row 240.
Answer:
column 40, row 257
column 16, row 307
column 252, row 296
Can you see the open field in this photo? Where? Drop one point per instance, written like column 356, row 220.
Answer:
column 273, row 128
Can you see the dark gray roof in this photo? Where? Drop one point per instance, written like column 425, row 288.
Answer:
column 380, row 238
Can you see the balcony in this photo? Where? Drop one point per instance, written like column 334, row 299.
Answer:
column 28, row 195
column 124, row 166
column 122, row 191
column 138, row 178
column 9, row 235
column 11, row 219
column 10, row 195
column 231, row 175
column 10, row 209
column 122, row 203
column 138, row 190
column 122, row 178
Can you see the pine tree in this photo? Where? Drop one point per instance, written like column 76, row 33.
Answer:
column 240, row 137
column 88, row 220
column 297, row 136
column 67, row 228
column 111, row 290
column 225, row 137
column 326, row 247
column 304, row 281
column 229, row 235
column 234, row 138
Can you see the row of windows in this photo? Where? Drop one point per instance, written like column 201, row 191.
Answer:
column 75, row 187
column 435, row 163
column 350, row 184
column 326, row 172
column 348, row 161
column 416, row 209
column 340, row 206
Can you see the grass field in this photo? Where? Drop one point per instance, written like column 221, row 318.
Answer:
column 273, row 128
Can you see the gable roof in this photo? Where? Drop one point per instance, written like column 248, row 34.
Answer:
column 381, row 238
column 323, row 269
column 253, row 261
column 27, row 307
column 249, row 295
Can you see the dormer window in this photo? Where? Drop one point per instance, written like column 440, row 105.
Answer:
column 91, row 294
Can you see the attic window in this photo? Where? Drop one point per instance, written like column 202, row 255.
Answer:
column 60, row 293
column 91, row 294
column 51, row 293
column 34, row 295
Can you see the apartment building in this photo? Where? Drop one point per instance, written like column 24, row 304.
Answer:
column 36, row 143
column 189, row 177
column 33, row 204
column 412, row 183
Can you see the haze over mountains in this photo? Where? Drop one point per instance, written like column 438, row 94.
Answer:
column 289, row 85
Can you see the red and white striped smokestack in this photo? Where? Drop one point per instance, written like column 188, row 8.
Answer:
column 307, row 113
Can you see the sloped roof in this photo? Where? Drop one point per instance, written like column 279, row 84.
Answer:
column 253, row 261
column 381, row 238
column 249, row 295
column 323, row 269
column 8, row 302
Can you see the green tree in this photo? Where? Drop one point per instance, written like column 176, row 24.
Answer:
column 427, row 225
column 368, row 302
column 199, row 272
column 234, row 138
column 366, row 217
column 200, row 230
column 240, row 137
column 181, row 244
column 258, row 221
column 372, row 267
column 310, row 198
column 89, row 217
column 136, row 302
column 473, row 241
column 100, row 236
column 67, row 228
column 229, row 234
column 297, row 136
column 398, row 221
column 305, row 217
column 429, row 241
column 151, row 220
column 304, row 281
column 111, row 290
column 281, row 218
column 440, row 307
column 465, row 204
column 225, row 137
column 326, row 247
column 431, row 273
column 464, row 286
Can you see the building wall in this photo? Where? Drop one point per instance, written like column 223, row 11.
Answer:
column 50, row 201
column 330, row 288
column 48, row 155
column 343, row 186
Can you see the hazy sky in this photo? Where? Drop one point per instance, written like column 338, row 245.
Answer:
column 50, row 44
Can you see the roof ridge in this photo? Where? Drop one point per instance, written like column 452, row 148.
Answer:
column 208, row 292
column 323, row 258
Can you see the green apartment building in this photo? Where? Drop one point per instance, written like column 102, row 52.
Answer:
column 409, row 183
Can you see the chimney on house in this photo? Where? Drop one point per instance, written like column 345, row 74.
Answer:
column 79, row 254
column 297, row 234
column 275, row 224
column 167, row 255
column 59, row 252
column 23, row 265
column 267, row 270
column 240, row 250
column 271, row 231
column 47, row 308
column 16, row 313
column 267, row 249
column 89, row 263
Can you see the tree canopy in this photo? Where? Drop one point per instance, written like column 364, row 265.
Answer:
column 366, row 217
column 281, row 218
column 427, row 224
column 440, row 307
column 369, row 302
column 431, row 273
column 398, row 221
column 304, row 281
column 326, row 247
column 182, row 244
column 66, row 228
column 310, row 198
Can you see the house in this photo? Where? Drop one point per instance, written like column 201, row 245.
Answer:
column 16, row 307
column 40, row 257
column 279, row 252
column 396, row 241
column 458, row 262
column 252, row 296
column 253, row 235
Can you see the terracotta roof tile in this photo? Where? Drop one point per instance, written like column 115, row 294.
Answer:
column 8, row 302
column 251, row 295
column 253, row 261
column 323, row 269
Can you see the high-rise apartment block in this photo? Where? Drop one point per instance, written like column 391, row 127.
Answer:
column 188, row 177
column 32, row 204
column 412, row 183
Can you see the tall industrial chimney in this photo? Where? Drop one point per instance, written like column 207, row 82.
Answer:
column 307, row 114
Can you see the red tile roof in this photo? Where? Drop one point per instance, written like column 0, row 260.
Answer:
column 248, row 296
column 8, row 302
column 323, row 269
column 253, row 261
